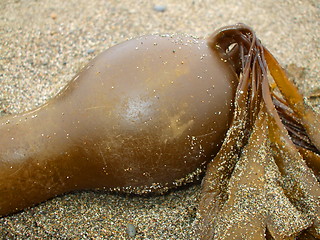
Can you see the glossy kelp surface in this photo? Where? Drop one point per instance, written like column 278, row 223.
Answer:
column 143, row 116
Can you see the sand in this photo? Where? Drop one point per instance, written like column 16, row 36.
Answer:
column 44, row 43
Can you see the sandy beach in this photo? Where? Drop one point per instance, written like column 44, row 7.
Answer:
column 43, row 44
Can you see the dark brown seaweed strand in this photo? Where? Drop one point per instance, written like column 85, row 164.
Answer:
column 255, row 86
column 309, row 117
column 288, row 115
column 292, row 123
column 296, row 130
column 247, row 41
column 255, row 91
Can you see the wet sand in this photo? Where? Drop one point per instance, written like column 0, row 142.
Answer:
column 44, row 43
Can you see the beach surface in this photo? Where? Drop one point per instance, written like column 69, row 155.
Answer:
column 43, row 44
